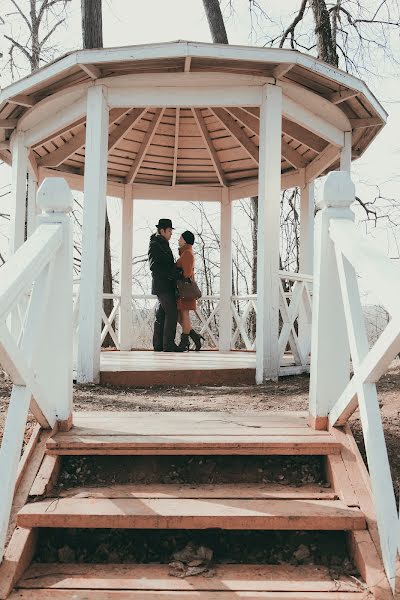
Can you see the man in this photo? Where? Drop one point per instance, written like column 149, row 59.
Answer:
column 163, row 271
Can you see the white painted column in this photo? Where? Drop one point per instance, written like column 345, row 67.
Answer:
column 94, row 210
column 225, row 312
column 330, row 354
column 18, row 190
column 125, row 328
column 269, row 184
column 306, row 257
column 31, row 216
column 345, row 154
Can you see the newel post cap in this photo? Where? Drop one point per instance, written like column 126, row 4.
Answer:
column 54, row 196
column 339, row 191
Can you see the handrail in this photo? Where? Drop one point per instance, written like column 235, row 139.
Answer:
column 339, row 332
column 38, row 359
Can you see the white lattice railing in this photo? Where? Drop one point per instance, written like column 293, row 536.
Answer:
column 36, row 333
column 295, row 291
column 339, row 333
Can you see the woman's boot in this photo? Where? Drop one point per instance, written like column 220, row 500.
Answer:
column 184, row 343
column 196, row 337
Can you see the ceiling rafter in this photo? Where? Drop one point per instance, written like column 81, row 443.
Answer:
column 91, row 70
column 281, row 70
column 210, row 146
column 22, row 100
column 342, row 95
column 364, row 123
column 8, row 123
column 126, row 124
column 133, row 171
column 54, row 159
column 237, row 132
column 253, row 123
column 176, row 145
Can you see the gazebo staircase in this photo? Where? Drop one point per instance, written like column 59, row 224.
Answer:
column 342, row 503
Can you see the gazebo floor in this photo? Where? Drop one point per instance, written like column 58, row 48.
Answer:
column 146, row 368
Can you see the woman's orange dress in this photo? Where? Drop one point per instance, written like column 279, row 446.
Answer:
column 186, row 263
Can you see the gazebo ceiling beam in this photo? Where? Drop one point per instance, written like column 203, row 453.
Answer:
column 342, row 96
column 8, row 123
column 176, row 145
column 253, row 123
column 281, row 70
column 145, row 145
column 308, row 119
column 22, row 100
column 322, row 162
column 91, row 70
column 126, row 124
column 210, row 146
column 293, row 130
column 364, row 123
column 237, row 132
column 54, row 159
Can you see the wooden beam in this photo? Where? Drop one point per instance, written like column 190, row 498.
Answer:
column 5, row 145
column 306, row 118
column 210, row 146
column 322, row 162
column 8, row 123
column 188, row 61
column 237, row 132
column 364, row 123
column 145, row 145
column 293, row 157
column 126, row 124
column 303, row 136
column 281, row 70
column 249, row 120
column 22, row 100
column 342, row 95
column 54, row 159
column 176, row 145
column 91, row 70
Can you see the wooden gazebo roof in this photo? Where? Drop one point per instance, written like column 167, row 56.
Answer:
column 188, row 145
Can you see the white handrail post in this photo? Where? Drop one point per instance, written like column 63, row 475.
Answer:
column 330, row 354
column 55, row 200
column 93, row 233
column 125, row 328
column 269, row 183
column 225, row 312
column 306, row 259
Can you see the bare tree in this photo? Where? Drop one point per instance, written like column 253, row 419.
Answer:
column 92, row 37
column 39, row 21
column 215, row 21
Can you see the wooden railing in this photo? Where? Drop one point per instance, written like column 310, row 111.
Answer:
column 36, row 333
column 339, row 333
column 295, row 319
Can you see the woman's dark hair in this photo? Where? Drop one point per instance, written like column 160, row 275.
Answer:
column 188, row 236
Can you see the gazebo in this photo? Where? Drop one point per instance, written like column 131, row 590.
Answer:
column 184, row 121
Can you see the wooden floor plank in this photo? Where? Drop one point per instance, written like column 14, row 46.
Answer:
column 282, row 578
column 238, row 490
column 51, row 594
column 191, row 514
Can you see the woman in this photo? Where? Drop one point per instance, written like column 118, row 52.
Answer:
column 186, row 263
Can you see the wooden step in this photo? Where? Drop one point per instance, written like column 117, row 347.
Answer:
column 192, row 433
column 233, row 578
column 211, row 491
column 51, row 594
column 172, row 513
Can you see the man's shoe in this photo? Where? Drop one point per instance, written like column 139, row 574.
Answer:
column 173, row 348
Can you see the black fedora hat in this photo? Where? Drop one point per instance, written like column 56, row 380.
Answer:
column 164, row 224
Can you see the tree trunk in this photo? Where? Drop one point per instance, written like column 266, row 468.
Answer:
column 326, row 45
column 254, row 230
column 92, row 24
column 92, row 37
column 215, row 21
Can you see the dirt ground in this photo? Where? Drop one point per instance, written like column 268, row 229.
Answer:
column 290, row 393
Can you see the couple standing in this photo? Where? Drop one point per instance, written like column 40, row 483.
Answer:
column 165, row 276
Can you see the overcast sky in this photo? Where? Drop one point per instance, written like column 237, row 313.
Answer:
column 135, row 22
